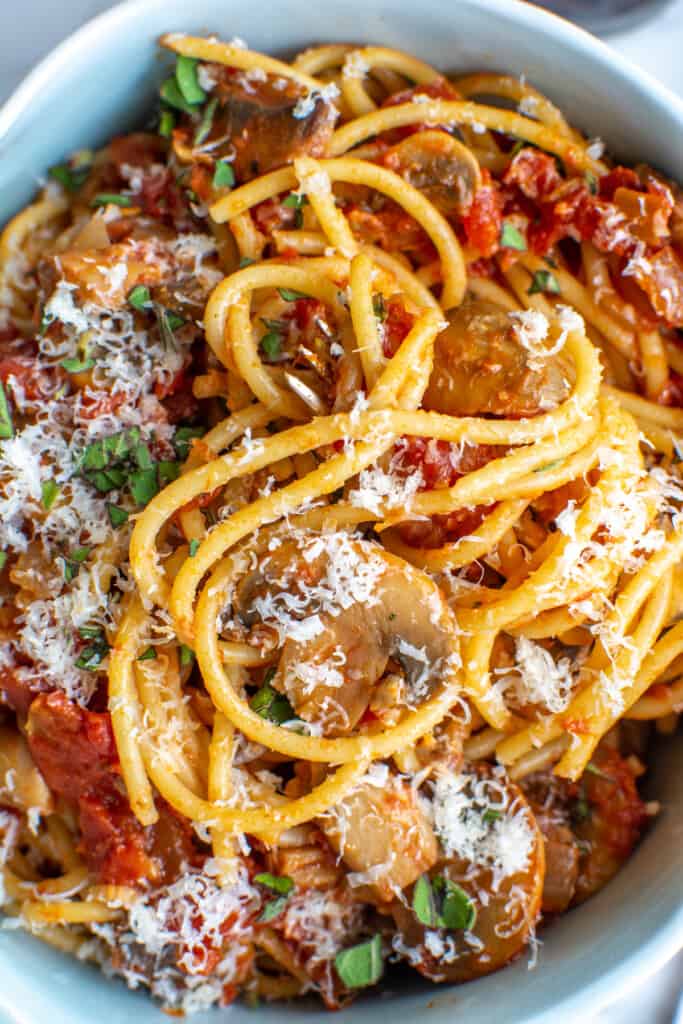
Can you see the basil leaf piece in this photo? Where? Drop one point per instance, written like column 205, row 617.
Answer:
column 142, row 456
column 295, row 200
column 186, row 655
column 457, row 910
column 91, row 632
column 592, row 182
column 168, row 472
column 3, row 559
column 111, row 199
column 206, row 123
column 491, row 814
column 6, row 425
column 246, row 261
column 168, row 321
column 224, row 175
column 139, row 297
column 171, row 94
column 188, row 82
column 289, row 295
column 269, row 703
column 143, row 485
column 48, row 492
column 91, row 657
column 548, row 466
column 271, row 343
column 166, row 124
column 273, row 908
column 361, row 965
column 194, row 547
column 182, row 440
column 379, row 307
column 117, row 516
column 148, row 655
column 281, row 884
column 423, row 902
column 544, row 281
column 512, row 238
column 73, row 173
column 76, row 365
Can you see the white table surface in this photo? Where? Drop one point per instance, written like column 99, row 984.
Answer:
column 29, row 32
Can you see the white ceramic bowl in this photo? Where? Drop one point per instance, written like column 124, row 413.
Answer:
column 100, row 82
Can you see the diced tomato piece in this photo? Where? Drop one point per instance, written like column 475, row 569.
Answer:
column 618, row 177
column 534, row 173
column 113, row 842
column 484, row 219
column 271, row 215
column 648, row 213
column 661, row 278
column 397, row 326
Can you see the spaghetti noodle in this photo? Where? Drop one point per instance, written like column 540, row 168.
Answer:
column 340, row 530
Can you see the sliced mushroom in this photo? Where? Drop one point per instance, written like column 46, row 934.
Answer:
column 383, row 836
column 441, row 167
column 492, row 868
column 358, row 607
column 482, row 368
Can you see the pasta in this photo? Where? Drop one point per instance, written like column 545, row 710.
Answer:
column 340, row 533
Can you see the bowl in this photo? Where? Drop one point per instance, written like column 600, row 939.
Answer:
column 102, row 81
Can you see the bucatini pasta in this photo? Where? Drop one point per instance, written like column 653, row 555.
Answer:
column 340, row 532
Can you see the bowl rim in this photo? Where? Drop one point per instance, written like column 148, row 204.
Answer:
column 635, row 968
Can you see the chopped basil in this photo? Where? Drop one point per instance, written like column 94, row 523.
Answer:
column 269, row 703
column 168, row 472
column 224, row 177
column 109, row 450
column 491, row 814
column 186, row 655
column 171, row 94
column 289, row 295
column 76, row 365
column 48, row 493
column 3, row 559
column 295, row 200
column 592, row 769
column 273, row 908
column 182, row 440
column 72, row 563
column 457, row 909
column 91, row 632
column 73, row 173
column 440, row 903
column 194, row 547
column 246, row 261
column 6, row 426
column 139, row 297
column 517, row 148
column 379, row 307
column 592, row 182
column 91, row 657
column 512, row 238
column 188, row 82
column 117, row 516
column 281, row 884
column 206, row 123
column 544, row 281
column 144, row 484
column 142, row 456
column 271, row 343
column 148, row 655
column 361, row 965
column 111, row 199
column 423, row 902
column 166, row 123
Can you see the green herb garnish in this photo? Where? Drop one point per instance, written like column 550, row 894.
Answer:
column 168, row 322
column 512, row 238
column 289, row 295
column 548, row 466
column 92, row 656
column 139, row 297
column 269, row 703
column 166, row 123
column 440, row 903
column 73, row 173
column 361, row 965
column 6, row 426
column 544, row 281
column 206, row 123
column 48, row 493
column 91, row 633
column 246, row 261
column 182, row 440
column 271, row 343
column 186, row 655
column 379, row 307
column 76, row 365
column 111, row 199
column 592, row 182
column 194, row 547
column 144, row 484
column 491, row 814
column 188, row 82
column 281, row 884
column 3, row 559
column 224, row 177
column 423, row 902
column 117, row 516
column 148, row 655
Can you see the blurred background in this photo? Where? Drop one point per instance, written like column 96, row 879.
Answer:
column 648, row 32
